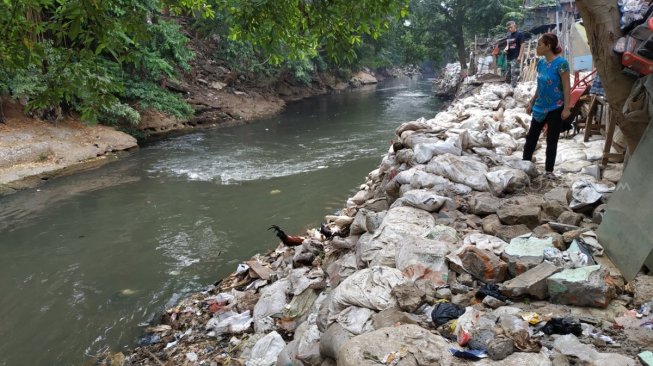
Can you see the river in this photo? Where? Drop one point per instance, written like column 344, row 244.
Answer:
column 88, row 260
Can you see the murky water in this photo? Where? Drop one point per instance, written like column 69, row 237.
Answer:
column 88, row 260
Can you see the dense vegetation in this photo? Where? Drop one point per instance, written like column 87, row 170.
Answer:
column 106, row 60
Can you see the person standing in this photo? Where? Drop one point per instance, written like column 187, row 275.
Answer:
column 551, row 103
column 514, row 53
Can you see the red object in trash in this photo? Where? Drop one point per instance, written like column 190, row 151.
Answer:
column 580, row 87
column 650, row 23
column 637, row 63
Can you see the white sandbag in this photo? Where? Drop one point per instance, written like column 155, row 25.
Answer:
column 229, row 322
column 356, row 320
column 477, row 139
column 424, row 199
column 424, row 259
column 422, row 179
column 588, row 191
column 502, row 139
column 273, row 301
column 460, row 169
column 266, row 350
column 368, row 288
column 507, row 181
column 485, row 242
column 526, row 166
column 411, row 126
column 366, row 221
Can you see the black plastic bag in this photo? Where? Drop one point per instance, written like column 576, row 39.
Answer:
column 443, row 312
column 562, row 326
column 490, row 289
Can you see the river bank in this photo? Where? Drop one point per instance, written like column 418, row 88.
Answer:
column 452, row 225
column 33, row 151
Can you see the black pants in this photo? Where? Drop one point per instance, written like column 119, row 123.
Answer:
column 553, row 120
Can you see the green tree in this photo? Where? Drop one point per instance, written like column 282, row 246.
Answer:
column 300, row 29
column 459, row 20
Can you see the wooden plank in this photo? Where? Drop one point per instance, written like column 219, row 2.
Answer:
column 590, row 117
column 260, row 270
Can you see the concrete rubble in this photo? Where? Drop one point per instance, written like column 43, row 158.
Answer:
column 450, row 216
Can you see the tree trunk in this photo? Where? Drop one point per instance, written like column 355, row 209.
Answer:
column 456, row 32
column 601, row 20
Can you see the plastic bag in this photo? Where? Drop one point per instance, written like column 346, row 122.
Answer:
column 466, row 324
column 490, row 289
column 446, row 311
column 562, row 326
column 266, row 350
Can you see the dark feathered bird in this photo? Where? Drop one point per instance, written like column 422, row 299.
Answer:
column 329, row 232
column 289, row 240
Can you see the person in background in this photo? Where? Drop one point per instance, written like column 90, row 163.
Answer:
column 550, row 104
column 514, row 53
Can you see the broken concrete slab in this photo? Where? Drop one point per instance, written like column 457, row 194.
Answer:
column 586, row 286
column 525, row 252
column 531, row 282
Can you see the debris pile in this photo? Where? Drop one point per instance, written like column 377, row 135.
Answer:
column 453, row 251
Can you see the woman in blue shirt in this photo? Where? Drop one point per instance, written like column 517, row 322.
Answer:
column 550, row 104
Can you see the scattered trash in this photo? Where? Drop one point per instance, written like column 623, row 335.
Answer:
column 444, row 312
column 562, row 326
column 490, row 289
column 471, row 354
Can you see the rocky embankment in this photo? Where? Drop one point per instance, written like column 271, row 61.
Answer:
column 453, row 250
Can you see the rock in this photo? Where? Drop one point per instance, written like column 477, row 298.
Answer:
column 551, row 210
column 443, row 293
column 409, row 296
column 531, row 282
column 493, row 302
column 599, row 211
column 491, row 224
column 559, row 195
column 587, row 286
column 421, row 347
column 570, row 218
column 484, row 203
column 458, row 288
column 333, row 339
column 517, row 214
column 500, row 348
column 484, row 265
column 390, row 318
column 642, row 286
column 569, row 236
column 562, row 228
column 571, row 347
column 524, row 253
column 509, row 232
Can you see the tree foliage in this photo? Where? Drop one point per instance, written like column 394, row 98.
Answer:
column 78, row 54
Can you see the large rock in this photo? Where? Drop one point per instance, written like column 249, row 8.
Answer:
column 642, row 285
column 525, row 252
column 484, row 265
column 518, row 214
column 484, row 203
column 587, row 286
column 421, row 347
column 531, row 282
column 584, row 354
column 509, row 232
column 570, row 218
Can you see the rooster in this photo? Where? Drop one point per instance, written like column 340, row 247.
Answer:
column 289, row 240
column 329, row 232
